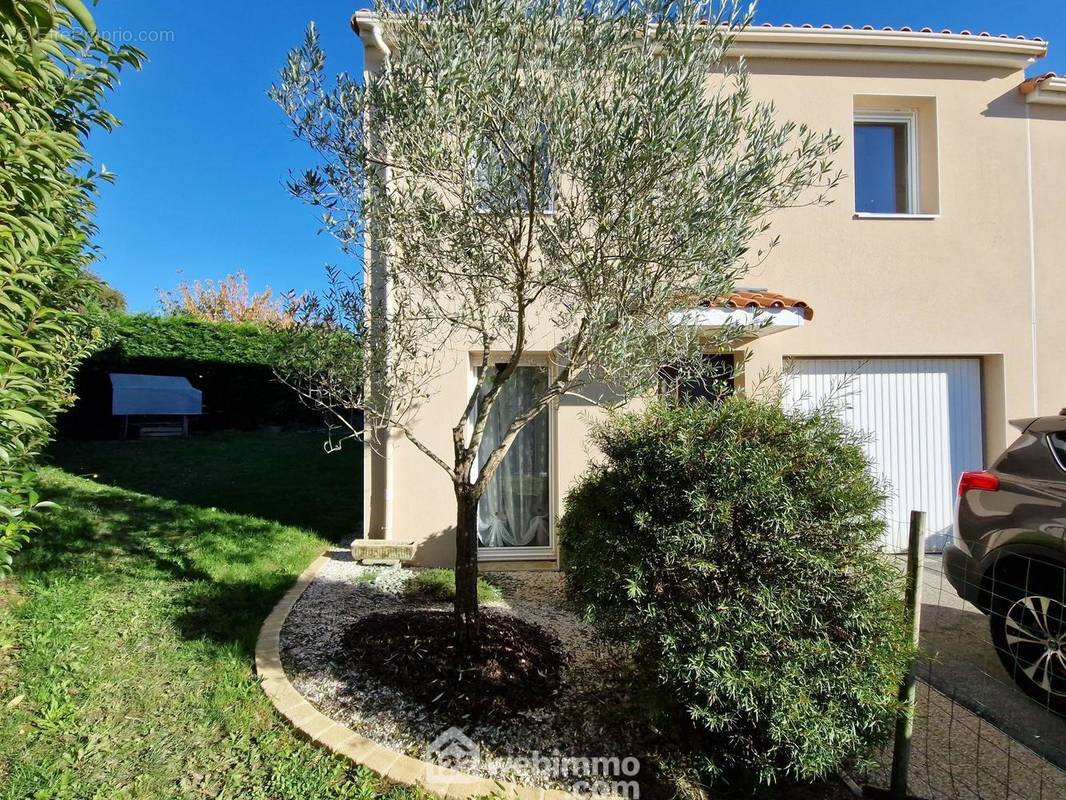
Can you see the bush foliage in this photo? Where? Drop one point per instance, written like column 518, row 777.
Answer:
column 132, row 336
column 54, row 74
column 732, row 544
column 230, row 299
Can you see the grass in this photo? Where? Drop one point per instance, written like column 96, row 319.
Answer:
column 439, row 585
column 127, row 635
column 285, row 477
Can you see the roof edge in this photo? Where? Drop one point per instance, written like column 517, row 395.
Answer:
column 845, row 44
column 1047, row 89
column 888, row 46
column 365, row 24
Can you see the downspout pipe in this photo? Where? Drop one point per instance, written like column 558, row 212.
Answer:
column 367, row 27
column 1033, row 322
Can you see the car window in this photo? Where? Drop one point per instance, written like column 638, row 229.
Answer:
column 1058, row 448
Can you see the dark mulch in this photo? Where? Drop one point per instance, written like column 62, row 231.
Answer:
column 517, row 669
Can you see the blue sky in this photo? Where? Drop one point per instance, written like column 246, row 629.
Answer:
column 203, row 153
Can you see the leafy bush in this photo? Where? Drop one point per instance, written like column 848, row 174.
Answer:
column 53, row 75
column 732, row 544
column 229, row 300
column 132, row 336
column 438, row 585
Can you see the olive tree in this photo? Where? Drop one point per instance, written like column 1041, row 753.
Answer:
column 516, row 167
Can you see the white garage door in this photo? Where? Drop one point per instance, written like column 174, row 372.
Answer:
column 923, row 419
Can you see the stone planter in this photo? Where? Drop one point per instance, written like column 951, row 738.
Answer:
column 382, row 550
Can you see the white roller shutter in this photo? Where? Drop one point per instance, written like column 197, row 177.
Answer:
column 923, row 418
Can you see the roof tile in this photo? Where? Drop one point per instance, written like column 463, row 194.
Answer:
column 759, row 300
column 901, row 29
column 1030, row 85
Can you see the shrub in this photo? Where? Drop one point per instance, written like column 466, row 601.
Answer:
column 54, row 74
column 133, row 336
column 229, row 300
column 732, row 544
column 438, row 585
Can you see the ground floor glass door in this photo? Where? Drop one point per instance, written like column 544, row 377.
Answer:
column 514, row 513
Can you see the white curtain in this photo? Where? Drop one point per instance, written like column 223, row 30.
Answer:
column 513, row 511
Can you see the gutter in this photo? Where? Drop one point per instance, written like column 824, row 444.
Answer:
column 366, row 22
column 836, row 44
column 1032, row 259
column 1047, row 89
column 844, row 44
column 369, row 30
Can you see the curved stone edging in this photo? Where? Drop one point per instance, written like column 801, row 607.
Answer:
column 391, row 765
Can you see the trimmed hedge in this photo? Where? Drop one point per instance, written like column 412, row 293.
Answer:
column 140, row 336
column 228, row 362
column 733, row 545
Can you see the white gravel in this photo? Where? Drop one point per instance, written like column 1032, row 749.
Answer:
column 957, row 754
column 589, row 719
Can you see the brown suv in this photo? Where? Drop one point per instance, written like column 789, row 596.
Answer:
column 1008, row 556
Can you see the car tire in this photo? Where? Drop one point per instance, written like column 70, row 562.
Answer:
column 1028, row 621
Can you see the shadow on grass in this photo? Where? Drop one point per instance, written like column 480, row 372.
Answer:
column 230, row 612
column 221, row 572
column 285, row 477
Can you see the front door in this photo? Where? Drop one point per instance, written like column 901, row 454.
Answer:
column 514, row 514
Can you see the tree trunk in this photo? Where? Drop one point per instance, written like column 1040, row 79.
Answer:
column 467, row 616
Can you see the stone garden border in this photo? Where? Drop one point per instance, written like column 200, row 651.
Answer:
column 391, row 765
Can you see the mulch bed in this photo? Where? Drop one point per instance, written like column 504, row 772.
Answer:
column 386, row 666
column 518, row 667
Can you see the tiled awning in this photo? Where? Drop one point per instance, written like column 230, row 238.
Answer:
column 764, row 312
column 765, row 301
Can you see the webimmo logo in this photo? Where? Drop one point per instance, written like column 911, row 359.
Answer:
column 453, row 755
column 452, row 751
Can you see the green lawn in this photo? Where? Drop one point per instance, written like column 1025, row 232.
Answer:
column 286, row 477
column 126, row 637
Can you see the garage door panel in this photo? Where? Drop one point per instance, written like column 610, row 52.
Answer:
column 922, row 422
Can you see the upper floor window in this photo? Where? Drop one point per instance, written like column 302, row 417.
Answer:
column 886, row 162
column 505, row 178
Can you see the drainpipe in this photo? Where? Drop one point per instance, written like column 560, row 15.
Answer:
column 1032, row 258
column 362, row 22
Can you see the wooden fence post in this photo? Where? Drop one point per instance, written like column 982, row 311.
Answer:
column 901, row 751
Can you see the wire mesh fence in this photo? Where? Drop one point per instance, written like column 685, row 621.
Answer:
column 991, row 696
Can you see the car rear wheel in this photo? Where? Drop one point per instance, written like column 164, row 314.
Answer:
column 1028, row 621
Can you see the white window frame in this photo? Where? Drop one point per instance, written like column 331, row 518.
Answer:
column 551, row 551
column 909, row 118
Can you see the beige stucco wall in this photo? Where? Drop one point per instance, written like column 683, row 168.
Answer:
column 1047, row 125
column 957, row 284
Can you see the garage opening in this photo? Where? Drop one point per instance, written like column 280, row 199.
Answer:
column 923, row 421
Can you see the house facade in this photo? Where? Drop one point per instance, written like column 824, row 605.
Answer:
column 925, row 299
